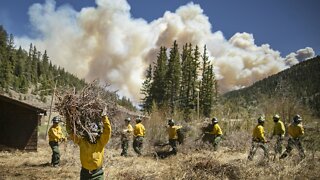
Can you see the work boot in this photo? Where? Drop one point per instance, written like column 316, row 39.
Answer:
column 55, row 165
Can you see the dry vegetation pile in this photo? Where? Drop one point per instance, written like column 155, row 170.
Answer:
column 84, row 109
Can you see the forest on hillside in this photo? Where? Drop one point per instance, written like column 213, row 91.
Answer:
column 21, row 70
column 292, row 89
column 32, row 72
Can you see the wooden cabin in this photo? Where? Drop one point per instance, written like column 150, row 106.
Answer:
column 19, row 124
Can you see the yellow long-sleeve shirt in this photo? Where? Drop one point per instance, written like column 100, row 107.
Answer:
column 91, row 155
column 279, row 128
column 216, row 130
column 258, row 133
column 139, row 130
column 172, row 131
column 55, row 133
column 127, row 133
column 295, row 130
column 129, row 129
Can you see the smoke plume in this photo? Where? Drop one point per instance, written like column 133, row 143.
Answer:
column 105, row 42
column 300, row 55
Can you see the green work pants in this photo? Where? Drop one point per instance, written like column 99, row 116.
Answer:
column 173, row 144
column 216, row 142
column 97, row 174
column 138, row 145
column 278, row 145
column 293, row 143
column 55, row 158
column 124, row 146
column 254, row 147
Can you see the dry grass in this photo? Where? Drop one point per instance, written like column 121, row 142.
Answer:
column 188, row 164
column 195, row 160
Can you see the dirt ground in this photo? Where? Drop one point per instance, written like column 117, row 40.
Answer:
column 191, row 164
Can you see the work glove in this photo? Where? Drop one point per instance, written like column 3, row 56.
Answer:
column 63, row 139
column 104, row 112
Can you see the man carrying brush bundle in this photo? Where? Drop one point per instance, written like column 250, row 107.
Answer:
column 173, row 132
column 92, row 148
column 55, row 137
column 216, row 133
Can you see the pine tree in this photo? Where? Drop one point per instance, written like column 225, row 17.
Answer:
column 187, row 80
column 5, row 74
column 3, row 43
column 7, row 60
column 3, row 59
column 45, row 61
column 159, row 81
column 207, row 88
column 145, row 91
column 19, row 68
column 34, row 64
column 173, row 76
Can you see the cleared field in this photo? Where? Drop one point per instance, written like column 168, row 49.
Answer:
column 189, row 164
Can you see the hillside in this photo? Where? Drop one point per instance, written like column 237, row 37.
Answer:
column 299, row 84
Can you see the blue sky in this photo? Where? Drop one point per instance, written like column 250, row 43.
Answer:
column 287, row 25
column 243, row 42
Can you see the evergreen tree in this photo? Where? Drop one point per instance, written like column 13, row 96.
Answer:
column 187, row 80
column 207, row 88
column 5, row 74
column 3, row 56
column 3, row 43
column 146, row 91
column 173, row 76
column 28, row 65
column 18, row 71
column 195, row 73
column 45, row 61
column 159, row 81
column 19, row 68
column 34, row 65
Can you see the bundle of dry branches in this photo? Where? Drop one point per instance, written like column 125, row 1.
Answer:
column 205, row 129
column 84, row 109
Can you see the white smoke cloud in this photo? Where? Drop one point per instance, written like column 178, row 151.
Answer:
column 105, row 42
column 300, row 55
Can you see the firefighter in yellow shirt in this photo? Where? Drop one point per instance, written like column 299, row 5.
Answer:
column 216, row 134
column 126, row 136
column 173, row 135
column 91, row 153
column 138, row 132
column 278, row 131
column 295, row 131
column 258, row 140
column 55, row 137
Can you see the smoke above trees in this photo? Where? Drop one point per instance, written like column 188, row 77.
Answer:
column 106, row 42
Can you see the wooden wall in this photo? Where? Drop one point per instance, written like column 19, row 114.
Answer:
column 18, row 126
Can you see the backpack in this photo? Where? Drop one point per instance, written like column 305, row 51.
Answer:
column 207, row 137
column 181, row 135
